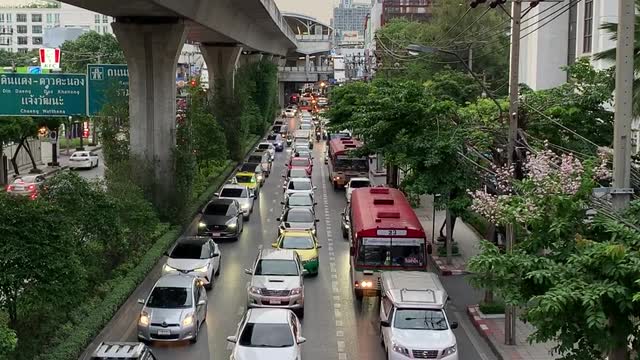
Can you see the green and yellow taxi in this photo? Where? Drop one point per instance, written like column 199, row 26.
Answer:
column 247, row 179
column 305, row 244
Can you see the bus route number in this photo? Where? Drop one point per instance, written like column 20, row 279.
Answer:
column 392, row 232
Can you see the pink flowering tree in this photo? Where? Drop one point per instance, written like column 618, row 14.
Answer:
column 575, row 278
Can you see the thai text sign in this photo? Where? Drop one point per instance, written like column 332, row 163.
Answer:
column 104, row 81
column 43, row 94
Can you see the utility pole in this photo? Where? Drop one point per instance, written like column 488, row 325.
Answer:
column 622, row 191
column 514, row 68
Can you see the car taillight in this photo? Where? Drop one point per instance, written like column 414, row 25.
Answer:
column 10, row 187
column 31, row 187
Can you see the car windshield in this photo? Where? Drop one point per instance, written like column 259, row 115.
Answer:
column 233, row 193
column 276, row 128
column 420, row 319
column 80, row 154
column 299, row 185
column 300, row 201
column 277, row 268
column 249, row 167
column 169, row 298
column 266, row 335
column 216, row 209
column 272, row 137
column 299, row 162
column 359, row 184
column 305, row 126
column 189, row 250
column 255, row 159
column 245, row 179
column 297, row 242
column 263, row 146
column 299, row 216
column 302, row 153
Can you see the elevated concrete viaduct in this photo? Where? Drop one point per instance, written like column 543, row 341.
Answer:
column 152, row 32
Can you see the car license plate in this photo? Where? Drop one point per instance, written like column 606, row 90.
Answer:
column 19, row 188
column 274, row 302
column 215, row 234
column 164, row 332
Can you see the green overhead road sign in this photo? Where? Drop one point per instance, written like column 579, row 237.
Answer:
column 102, row 79
column 43, row 94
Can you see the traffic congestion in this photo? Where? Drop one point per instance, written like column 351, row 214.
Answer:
column 308, row 237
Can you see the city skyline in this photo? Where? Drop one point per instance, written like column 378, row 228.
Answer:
column 322, row 9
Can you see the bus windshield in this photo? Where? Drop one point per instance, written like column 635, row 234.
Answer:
column 391, row 252
column 360, row 165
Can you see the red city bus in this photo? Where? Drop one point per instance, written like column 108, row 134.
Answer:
column 342, row 164
column 385, row 235
column 305, row 104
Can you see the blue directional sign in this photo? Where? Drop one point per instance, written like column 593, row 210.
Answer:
column 42, row 94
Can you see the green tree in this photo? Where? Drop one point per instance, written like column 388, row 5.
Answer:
column 8, row 58
column 19, row 129
column 574, row 277
column 90, row 48
column 485, row 36
column 8, row 337
column 39, row 262
column 612, row 29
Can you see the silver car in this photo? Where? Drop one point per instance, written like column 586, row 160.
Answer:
column 241, row 194
column 174, row 311
column 277, row 280
column 299, row 185
column 269, row 148
column 194, row 255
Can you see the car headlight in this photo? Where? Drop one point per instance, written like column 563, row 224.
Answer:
column 259, row 177
column 232, row 225
column 168, row 268
column 144, row 319
column 255, row 290
column 313, row 231
column 202, row 224
column 366, row 284
column 296, row 291
column 450, row 350
column 244, row 206
column 400, row 349
column 202, row 269
column 188, row 320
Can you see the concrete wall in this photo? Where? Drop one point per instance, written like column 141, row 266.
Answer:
column 23, row 158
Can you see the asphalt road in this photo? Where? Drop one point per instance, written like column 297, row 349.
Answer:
column 336, row 327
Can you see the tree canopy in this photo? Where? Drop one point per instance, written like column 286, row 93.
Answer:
column 90, row 48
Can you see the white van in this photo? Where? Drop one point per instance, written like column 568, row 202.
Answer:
column 303, row 136
column 413, row 323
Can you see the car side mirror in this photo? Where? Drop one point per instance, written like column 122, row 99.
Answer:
column 454, row 324
column 215, row 255
column 274, row 245
column 305, row 272
column 317, row 220
column 202, row 302
column 315, row 188
column 216, row 194
column 232, row 339
column 301, row 340
column 281, row 202
column 315, row 203
column 429, row 249
column 384, row 323
column 248, row 271
column 278, row 219
column 141, row 301
column 318, row 246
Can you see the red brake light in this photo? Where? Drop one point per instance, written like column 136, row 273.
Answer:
column 31, row 187
column 9, row 187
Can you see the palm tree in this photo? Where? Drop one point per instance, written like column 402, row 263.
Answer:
column 612, row 29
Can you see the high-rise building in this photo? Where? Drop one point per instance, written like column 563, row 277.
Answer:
column 23, row 23
column 351, row 18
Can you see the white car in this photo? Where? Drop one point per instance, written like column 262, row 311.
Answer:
column 290, row 112
column 268, row 148
column 240, row 193
column 268, row 334
column 83, row 159
column 354, row 183
column 194, row 255
column 299, row 185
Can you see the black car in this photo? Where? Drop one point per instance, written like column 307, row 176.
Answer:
column 299, row 218
column 221, row 219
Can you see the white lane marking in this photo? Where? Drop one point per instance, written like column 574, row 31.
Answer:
column 334, row 283
column 330, row 248
column 334, row 276
column 336, row 297
column 338, row 323
column 337, row 305
column 342, row 356
column 340, row 345
column 339, row 333
column 271, row 210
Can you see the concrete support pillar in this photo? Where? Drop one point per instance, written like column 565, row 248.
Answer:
column 307, row 64
column 221, row 64
column 268, row 57
column 318, row 60
column 152, row 52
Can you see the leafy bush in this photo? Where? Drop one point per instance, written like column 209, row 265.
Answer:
column 496, row 307
column 8, row 338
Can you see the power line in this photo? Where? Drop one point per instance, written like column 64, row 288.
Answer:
column 452, row 27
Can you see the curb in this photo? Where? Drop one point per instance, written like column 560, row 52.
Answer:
column 444, row 269
column 483, row 329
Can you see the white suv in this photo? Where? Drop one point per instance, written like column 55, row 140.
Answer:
column 277, row 281
column 413, row 322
